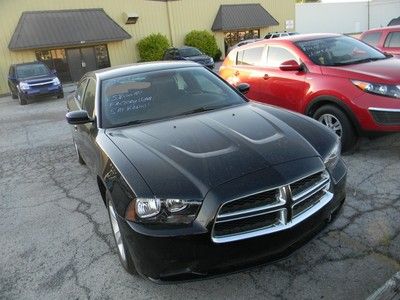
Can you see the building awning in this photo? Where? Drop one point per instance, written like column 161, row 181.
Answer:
column 59, row 28
column 242, row 16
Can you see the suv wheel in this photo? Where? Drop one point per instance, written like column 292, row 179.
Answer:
column 22, row 100
column 123, row 253
column 337, row 120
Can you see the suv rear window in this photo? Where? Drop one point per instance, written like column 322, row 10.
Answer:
column 393, row 40
column 372, row 38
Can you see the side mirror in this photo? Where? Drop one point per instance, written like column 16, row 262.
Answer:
column 54, row 71
column 388, row 55
column 243, row 88
column 78, row 117
column 290, row 65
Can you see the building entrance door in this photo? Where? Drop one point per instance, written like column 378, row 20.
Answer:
column 80, row 61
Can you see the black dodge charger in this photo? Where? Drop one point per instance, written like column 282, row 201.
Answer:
column 197, row 180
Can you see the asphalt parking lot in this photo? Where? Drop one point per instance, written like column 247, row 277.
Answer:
column 56, row 241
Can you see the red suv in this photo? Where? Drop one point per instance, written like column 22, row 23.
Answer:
column 342, row 82
column 386, row 39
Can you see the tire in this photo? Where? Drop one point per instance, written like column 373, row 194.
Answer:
column 61, row 95
column 123, row 252
column 13, row 95
column 78, row 154
column 334, row 118
column 22, row 100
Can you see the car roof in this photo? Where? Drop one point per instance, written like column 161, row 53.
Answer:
column 387, row 28
column 140, row 68
column 292, row 38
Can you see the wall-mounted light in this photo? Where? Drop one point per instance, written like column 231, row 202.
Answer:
column 130, row 18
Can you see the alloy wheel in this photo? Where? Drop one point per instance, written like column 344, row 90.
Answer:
column 117, row 232
column 332, row 122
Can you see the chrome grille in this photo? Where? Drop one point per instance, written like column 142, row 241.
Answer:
column 273, row 210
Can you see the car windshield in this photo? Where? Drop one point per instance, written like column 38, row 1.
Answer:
column 33, row 70
column 339, row 51
column 144, row 97
column 187, row 52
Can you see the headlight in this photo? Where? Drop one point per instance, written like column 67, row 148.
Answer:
column 333, row 157
column 378, row 89
column 154, row 210
column 23, row 86
column 56, row 81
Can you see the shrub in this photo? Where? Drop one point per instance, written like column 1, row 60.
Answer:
column 204, row 41
column 153, row 47
column 218, row 55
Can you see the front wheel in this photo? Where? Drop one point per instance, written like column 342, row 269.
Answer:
column 335, row 119
column 22, row 99
column 123, row 253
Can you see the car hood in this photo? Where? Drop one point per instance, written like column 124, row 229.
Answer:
column 190, row 155
column 384, row 71
column 38, row 79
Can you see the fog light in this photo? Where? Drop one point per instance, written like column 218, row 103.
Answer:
column 175, row 205
column 146, row 208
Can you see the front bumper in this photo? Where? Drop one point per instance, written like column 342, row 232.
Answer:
column 189, row 252
column 42, row 92
column 377, row 113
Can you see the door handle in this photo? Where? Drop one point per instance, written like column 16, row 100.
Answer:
column 266, row 76
column 237, row 73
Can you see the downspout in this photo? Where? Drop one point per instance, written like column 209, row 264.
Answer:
column 170, row 25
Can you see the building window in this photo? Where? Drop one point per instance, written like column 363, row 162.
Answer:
column 57, row 60
column 68, row 69
column 102, row 57
column 234, row 37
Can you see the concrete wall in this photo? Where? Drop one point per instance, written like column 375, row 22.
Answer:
column 173, row 19
column 349, row 17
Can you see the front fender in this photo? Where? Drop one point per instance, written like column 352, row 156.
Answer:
column 119, row 176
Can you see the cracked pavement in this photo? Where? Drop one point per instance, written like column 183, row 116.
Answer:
column 56, row 241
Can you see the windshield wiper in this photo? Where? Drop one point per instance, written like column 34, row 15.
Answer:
column 200, row 109
column 136, row 122
column 365, row 60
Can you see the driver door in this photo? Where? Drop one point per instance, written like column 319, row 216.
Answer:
column 88, row 131
column 286, row 89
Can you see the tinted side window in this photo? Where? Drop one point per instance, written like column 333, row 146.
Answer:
column 250, row 56
column 89, row 97
column 278, row 55
column 80, row 90
column 372, row 38
column 393, row 40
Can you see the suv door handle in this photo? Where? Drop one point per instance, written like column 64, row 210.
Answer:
column 237, row 73
column 266, row 76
